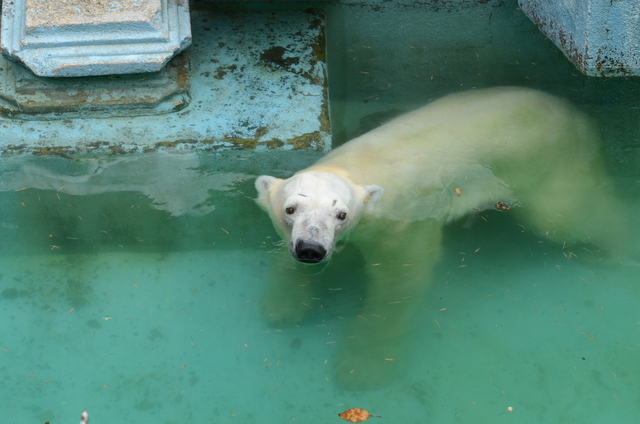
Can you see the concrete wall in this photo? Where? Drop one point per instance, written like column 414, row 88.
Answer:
column 600, row 37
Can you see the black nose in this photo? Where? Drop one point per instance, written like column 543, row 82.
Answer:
column 309, row 252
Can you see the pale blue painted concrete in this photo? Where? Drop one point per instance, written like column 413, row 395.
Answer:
column 257, row 81
column 80, row 38
column 601, row 37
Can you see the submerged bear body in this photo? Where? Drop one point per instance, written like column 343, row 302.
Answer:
column 492, row 144
column 391, row 190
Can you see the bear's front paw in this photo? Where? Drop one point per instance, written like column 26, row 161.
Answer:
column 368, row 366
column 283, row 312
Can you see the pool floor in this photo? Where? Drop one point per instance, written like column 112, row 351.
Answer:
column 180, row 337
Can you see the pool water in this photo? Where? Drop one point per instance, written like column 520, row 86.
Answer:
column 135, row 293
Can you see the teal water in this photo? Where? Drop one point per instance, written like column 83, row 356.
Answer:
column 134, row 292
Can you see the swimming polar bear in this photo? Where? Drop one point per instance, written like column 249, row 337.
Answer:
column 392, row 190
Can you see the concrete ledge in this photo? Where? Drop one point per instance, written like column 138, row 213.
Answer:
column 601, row 38
column 26, row 96
column 66, row 38
column 254, row 81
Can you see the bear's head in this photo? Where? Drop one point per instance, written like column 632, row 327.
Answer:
column 314, row 209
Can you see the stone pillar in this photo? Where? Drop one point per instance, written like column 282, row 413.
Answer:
column 70, row 38
column 600, row 37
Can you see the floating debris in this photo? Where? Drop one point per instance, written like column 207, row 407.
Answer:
column 502, row 206
column 356, row 415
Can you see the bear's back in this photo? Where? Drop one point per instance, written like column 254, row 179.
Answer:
column 489, row 143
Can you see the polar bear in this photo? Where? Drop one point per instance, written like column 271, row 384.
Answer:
column 391, row 191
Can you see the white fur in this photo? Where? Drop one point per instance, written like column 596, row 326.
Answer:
column 493, row 145
column 318, row 199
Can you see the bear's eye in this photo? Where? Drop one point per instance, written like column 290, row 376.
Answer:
column 342, row 216
column 290, row 210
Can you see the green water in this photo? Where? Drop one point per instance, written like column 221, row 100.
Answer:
column 134, row 292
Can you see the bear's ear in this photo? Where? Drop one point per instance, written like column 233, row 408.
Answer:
column 263, row 185
column 374, row 193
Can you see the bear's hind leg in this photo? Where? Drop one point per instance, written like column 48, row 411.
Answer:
column 571, row 208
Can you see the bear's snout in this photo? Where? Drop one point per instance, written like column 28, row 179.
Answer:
column 310, row 252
